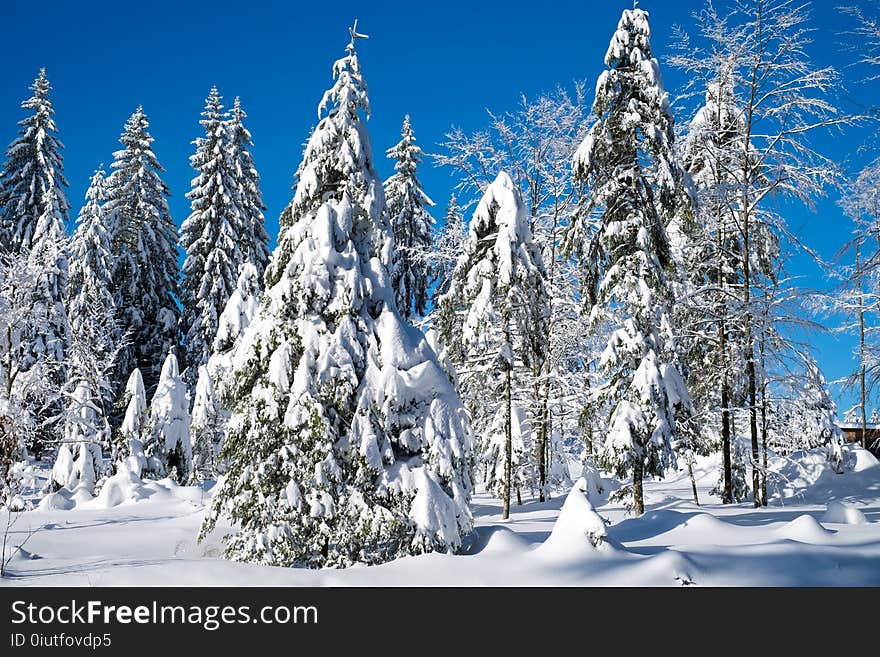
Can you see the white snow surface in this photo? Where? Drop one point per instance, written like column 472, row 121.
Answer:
column 821, row 529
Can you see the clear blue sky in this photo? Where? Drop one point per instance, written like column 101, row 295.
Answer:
column 443, row 63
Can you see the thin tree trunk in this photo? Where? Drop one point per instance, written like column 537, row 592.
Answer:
column 727, row 497
column 746, row 182
column 543, row 437
column 541, row 442
column 862, row 395
column 727, row 474
column 508, row 444
column 588, row 428
column 638, row 493
column 693, row 479
column 763, row 429
column 750, row 372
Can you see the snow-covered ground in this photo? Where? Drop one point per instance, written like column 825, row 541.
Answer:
column 820, row 529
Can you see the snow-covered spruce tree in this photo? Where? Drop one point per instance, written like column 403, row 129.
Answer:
column 494, row 319
column 91, row 257
column 32, row 200
column 167, row 443
column 252, row 237
column 47, row 336
column 535, row 144
column 449, row 242
column 210, row 236
column 33, row 220
column 347, row 442
column 144, row 242
column 634, row 182
column 92, row 356
column 204, row 429
column 411, row 225
column 96, row 335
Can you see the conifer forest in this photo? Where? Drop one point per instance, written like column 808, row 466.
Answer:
column 632, row 336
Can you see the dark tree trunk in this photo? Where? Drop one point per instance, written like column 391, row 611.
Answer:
column 862, row 387
column 508, row 444
column 763, row 430
column 638, row 493
column 542, row 437
column 693, row 480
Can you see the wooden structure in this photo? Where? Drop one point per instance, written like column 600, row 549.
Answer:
column 853, row 433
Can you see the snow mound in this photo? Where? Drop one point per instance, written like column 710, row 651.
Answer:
column 707, row 524
column 497, row 539
column 578, row 529
column 864, row 460
column 59, row 501
column 804, row 529
column 81, row 495
column 844, row 514
column 125, row 485
column 674, row 565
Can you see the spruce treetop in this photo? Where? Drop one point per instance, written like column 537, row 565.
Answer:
column 32, row 182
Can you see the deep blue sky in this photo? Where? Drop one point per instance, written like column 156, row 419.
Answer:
column 444, row 64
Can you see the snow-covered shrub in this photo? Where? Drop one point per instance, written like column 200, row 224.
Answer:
column 205, row 428
column 167, row 443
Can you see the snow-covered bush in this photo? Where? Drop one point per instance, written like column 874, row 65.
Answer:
column 205, row 428
column 129, row 441
column 167, row 443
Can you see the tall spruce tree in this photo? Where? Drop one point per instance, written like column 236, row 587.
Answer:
column 210, row 236
column 633, row 180
column 347, row 442
column 252, row 236
column 96, row 336
column 33, row 223
column 144, row 252
column 33, row 204
column 494, row 318
column 411, row 226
